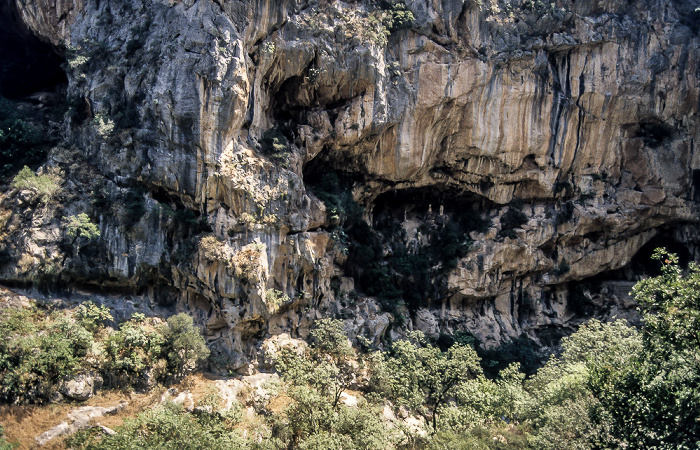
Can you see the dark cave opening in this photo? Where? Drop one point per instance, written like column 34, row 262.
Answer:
column 620, row 281
column 27, row 64
column 643, row 266
column 404, row 271
column 424, row 200
column 654, row 133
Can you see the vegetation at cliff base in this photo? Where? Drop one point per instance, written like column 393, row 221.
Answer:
column 612, row 385
column 40, row 349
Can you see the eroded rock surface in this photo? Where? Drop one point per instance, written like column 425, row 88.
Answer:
column 201, row 130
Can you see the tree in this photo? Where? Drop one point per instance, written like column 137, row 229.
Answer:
column 421, row 377
column 654, row 400
column 185, row 344
column 563, row 411
column 328, row 365
column 80, row 227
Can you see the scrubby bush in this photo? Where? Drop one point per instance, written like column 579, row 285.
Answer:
column 275, row 144
column 81, row 227
column 164, row 351
column 184, row 344
column 132, row 350
column 276, row 300
column 38, row 350
column 166, row 426
column 44, row 185
column 396, row 15
column 91, row 316
column 36, row 353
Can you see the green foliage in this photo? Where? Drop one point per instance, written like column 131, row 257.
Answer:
column 131, row 351
column 341, row 207
column 328, row 338
column 350, row 23
column 276, row 300
column 184, row 343
column 396, row 16
column 92, row 316
column 521, row 350
column 275, row 144
column 81, row 226
column 164, row 427
column 172, row 350
column 563, row 406
column 653, row 401
column 327, row 365
column 421, row 377
column 45, row 185
column 37, row 353
column 315, row 423
column 479, row 438
column 104, row 125
column 670, row 305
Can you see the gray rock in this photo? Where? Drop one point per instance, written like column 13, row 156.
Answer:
column 82, row 387
column 587, row 112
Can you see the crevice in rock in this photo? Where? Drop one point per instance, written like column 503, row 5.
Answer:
column 655, row 133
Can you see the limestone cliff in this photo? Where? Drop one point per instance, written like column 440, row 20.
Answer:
column 551, row 143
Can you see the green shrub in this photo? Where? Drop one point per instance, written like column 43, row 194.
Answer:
column 164, row 427
column 81, row 226
column 184, row 344
column 276, row 300
column 92, row 316
column 37, row 353
column 325, row 366
column 397, row 16
column 104, row 125
column 132, row 350
column 275, row 144
column 45, row 185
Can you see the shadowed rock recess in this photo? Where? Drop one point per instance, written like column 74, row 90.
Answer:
column 498, row 168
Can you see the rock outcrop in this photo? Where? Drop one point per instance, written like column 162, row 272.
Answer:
column 203, row 130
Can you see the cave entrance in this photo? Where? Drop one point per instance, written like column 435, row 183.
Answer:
column 27, row 64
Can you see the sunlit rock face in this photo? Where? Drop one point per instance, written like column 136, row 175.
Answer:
column 199, row 131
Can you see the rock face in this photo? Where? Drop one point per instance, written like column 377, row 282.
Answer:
column 82, row 387
column 562, row 137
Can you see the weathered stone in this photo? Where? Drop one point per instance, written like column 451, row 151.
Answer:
column 588, row 115
column 79, row 419
column 82, row 387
